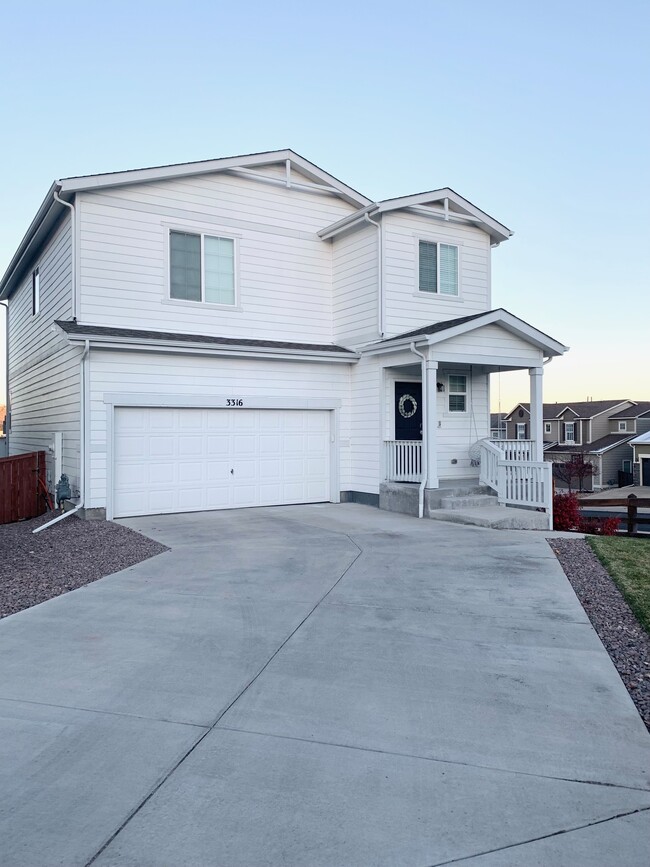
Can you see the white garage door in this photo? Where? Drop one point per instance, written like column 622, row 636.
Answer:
column 185, row 460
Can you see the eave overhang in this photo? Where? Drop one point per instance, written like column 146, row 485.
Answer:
column 128, row 340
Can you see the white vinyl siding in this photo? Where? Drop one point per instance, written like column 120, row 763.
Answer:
column 406, row 307
column 284, row 277
column 43, row 369
column 355, row 287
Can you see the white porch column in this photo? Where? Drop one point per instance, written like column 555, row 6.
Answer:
column 537, row 411
column 431, row 422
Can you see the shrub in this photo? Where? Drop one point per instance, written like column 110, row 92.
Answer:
column 566, row 512
column 600, row 526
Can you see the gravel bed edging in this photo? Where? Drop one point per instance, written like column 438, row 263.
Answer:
column 64, row 557
column 626, row 641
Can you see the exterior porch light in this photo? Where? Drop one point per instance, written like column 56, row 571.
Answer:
column 440, row 386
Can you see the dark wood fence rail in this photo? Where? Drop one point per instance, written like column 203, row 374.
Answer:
column 632, row 503
column 22, row 482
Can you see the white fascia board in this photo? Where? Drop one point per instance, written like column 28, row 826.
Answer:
column 493, row 227
column 139, row 176
column 47, row 214
column 189, row 348
column 519, row 406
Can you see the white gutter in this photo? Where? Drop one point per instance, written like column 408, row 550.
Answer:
column 83, row 387
column 423, row 458
column 380, row 275
column 73, row 254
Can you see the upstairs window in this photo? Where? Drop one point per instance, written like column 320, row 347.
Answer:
column 457, row 393
column 36, row 293
column 438, row 268
column 622, row 425
column 547, row 427
column 570, row 432
column 521, row 430
column 201, row 268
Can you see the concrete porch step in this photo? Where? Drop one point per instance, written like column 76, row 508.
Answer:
column 471, row 502
column 496, row 517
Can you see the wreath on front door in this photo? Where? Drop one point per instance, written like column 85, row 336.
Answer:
column 403, row 411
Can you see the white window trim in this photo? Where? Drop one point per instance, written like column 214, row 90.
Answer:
column 518, row 425
column 574, row 441
column 548, row 427
column 436, row 239
column 629, row 462
column 202, row 233
column 465, row 393
column 622, row 426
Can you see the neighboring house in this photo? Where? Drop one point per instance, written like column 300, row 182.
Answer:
column 641, row 459
column 498, row 426
column 600, row 430
column 252, row 331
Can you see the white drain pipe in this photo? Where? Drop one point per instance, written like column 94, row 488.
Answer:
column 423, row 459
column 82, row 443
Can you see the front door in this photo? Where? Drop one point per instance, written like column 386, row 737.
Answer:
column 408, row 410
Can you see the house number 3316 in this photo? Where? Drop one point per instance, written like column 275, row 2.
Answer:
column 234, row 401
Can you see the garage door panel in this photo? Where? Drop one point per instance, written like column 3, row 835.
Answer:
column 169, row 460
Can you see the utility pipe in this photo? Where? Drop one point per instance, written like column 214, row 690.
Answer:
column 82, row 443
column 73, row 254
column 380, row 274
column 423, row 458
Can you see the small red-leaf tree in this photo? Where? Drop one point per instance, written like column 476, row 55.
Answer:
column 576, row 468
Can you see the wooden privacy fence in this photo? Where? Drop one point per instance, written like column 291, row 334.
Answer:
column 632, row 503
column 22, row 487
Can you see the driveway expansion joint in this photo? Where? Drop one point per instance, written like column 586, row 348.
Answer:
column 542, row 837
column 432, row 759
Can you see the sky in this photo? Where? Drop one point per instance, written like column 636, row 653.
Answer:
column 537, row 112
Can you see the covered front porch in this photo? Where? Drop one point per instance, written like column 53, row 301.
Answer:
column 436, row 428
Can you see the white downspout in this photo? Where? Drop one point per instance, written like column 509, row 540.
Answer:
column 380, row 274
column 73, row 253
column 424, row 376
column 83, row 378
column 7, row 401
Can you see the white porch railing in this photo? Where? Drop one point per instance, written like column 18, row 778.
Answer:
column 516, row 450
column 517, row 482
column 403, row 460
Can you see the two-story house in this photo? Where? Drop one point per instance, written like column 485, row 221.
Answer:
column 252, row 331
column 601, row 430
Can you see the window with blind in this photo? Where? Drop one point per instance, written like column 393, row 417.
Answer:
column 201, row 268
column 438, row 268
column 457, row 393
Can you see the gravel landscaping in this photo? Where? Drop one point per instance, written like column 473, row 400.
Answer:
column 63, row 557
column 627, row 643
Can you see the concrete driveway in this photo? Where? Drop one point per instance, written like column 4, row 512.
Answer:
column 320, row 685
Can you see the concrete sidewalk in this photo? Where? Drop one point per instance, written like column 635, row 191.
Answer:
column 320, row 685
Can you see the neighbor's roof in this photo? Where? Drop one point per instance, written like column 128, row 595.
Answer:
column 111, row 335
column 642, row 407
column 604, row 444
column 583, row 409
column 444, row 203
column 641, row 440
